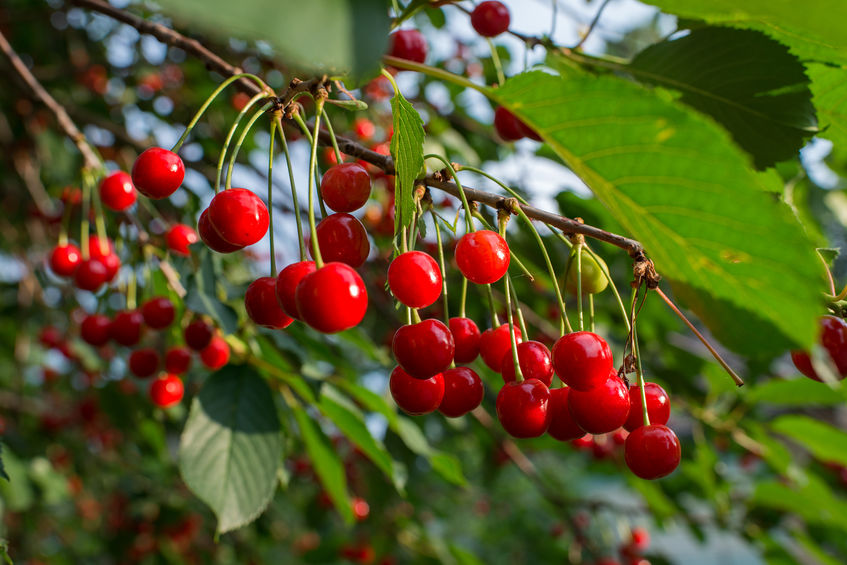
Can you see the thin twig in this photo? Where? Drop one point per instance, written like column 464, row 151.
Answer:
column 592, row 25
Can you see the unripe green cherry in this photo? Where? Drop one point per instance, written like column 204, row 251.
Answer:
column 593, row 279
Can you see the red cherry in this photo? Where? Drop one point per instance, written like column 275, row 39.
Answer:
column 90, row 275
column 126, row 327
column 496, row 343
column 658, row 406
column 652, row 452
column 416, row 396
column 415, row 279
column 639, row 541
column 507, row 125
column 239, row 216
column 582, row 360
column 117, row 192
column 534, row 358
column 166, row 391
column 94, row 329
column 65, row 259
column 833, row 338
column 407, row 44
column 157, row 173
column 482, row 256
column 143, row 362
column 104, row 250
column 466, row 337
column 562, row 425
column 343, row 239
column 423, row 349
column 602, row 409
column 262, row 306
column 346, row 187
column 523, row 408
column 490, row 18
column 286, row 285
column 463, row 391
column 211, row 237
column 179, row 237
column 216, row 354
column 158, row 312
column 361, row 508
column 177, row 360
column 332, row 299
column 197, row 335
column 364, row 128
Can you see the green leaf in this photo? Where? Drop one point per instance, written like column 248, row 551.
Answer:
column 2, row 466
column 18, row 494
column 232, row 447
column 825, row 442
column 829, row 87
column 797, row 392
column 675, row 181
column 748, row 82
column 812, row 501
column 407, row 152
column 444, row 464
column 202, row 295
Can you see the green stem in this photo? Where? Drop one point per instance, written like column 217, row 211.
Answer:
column 240, row 141
column 608, row 275
column 294, row 201
column 578, row 248
column 415, row 316
column 312, row 140
column 518, row 311
column 132, row 289
column 316, row 251
column 63, row 227
column 591, row 311
column 464, row 298
column 498, row 66
column 99, row 220
column 231, row 134
column 492, row 178
column 413, row 228
column 468, row 212
column 442, row 264
column 304, row 127
column 512, row 340
column 495, row 321
column 84, row 223
column 331, row 131
column 637, row 352
column 408, row 316
column 271, row 197
column 434, row 72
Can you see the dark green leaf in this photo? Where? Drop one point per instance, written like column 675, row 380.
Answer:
column 797, row 392
column 829, row 87
column 825, row 442
column 2, row 466
column 407, row 151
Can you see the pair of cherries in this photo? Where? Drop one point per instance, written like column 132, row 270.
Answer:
column 157, row 173
column 88, row 274
column 342, row 238
column 454, row 392
column 235, row 218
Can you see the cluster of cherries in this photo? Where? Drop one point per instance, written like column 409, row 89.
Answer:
column 833, row 339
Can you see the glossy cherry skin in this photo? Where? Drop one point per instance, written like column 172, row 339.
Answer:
column 332, row 299
column 490, row 18
column 602, row 409
column 262, row 306
column 158, row 312
column 407, row 44
column 463, row 391
column 562, row 425
column 211, row 237
column 94, row 329
column 423, row 349
column 167, row 391
column 833, row 338
column 507, row 125
column 535, row 361
column 90, row 275
column 286, row 285
column 658, row 406
column 524, row 408
column 197, row 335
column 482, row 256
column 157, row 173
column 103, row 250
column 466, row 338
column 117, row 192
column 582, row 360
column 239, row 216
column 216, row 354
column 179, row 237
column 494, row 344
column 126, row 327
column 652, row 452
column 415, row 279
column 346, row 187
column 143, row 362
column 177, row 360
column 343, row 239
column 65, row 259
column 416, row 396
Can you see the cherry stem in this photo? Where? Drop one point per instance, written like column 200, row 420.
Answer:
column 591, row 311
column 413, row 230
column 294, row 201
column 827, row 272
column 404, row 246
column 578, row 248
column 99, row 221
column 131, row 290
column 271, row 197
column 84, row 222
column 408, row 316
column 608, row 275
column 517, row 303
column 837, row 297
column 443, row 266
column 415, row 316
column 231, row 134
column 435, row 73
column 637, row 352
column 495, row 321
column 312, row 139
column 495, row 59
column 316, row 251
column 332, row 139
column 258, row 114
column 512, row 255
column 66, row 218
column 738, row 380
column 464, row 297
column 514, row 343
column 468, row 212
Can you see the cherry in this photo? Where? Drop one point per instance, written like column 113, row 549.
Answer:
column 177, row 360
column 510, row 128
column 117, row 192
column 143, row 362
column 407, row 44
column 346, row 187
column 639, row 541
column 416, row 396
column 90, row 275
column 103, row 250
column 65, row 259
column 286, row 285
column 494, row 344
column 534, row 358
column 490, row 18
column 158, row 312
column 482, row 256
column 562, row 425
column 463, row 391
column 833, row 338
column 364, row 128
column 197, row 335
column 239, row 216
column 157, row 172
column 523, row 408
column 361, row 508
column 126, row 327
column 332, row 299
column 166, row 391
column 262, row 306
column 216, row 354
column 94, row 329
column 466, row 339
column 602, row 409
column 342, row 238
column 652, row 452
column 658, row 406
column 179, row 237
column 593, row 278
column 423, row 349
column 211, row 237
column 582, row 360
column 415, row 279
